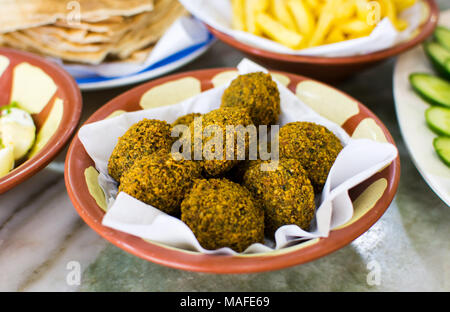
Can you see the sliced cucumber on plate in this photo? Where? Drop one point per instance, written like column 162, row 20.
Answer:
column 442, row 35
column 438, row 119
column 436, row 90
column 433, row 89
column 442, row 147
column 439, row 57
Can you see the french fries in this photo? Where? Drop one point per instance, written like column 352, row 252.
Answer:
column 345, row 11
column 336, row 35
column 252, row 9
column 278, row 32
column 403, row 4
column 356, row 27
column 238, row 14
column 299, row 24
column 280, row 12
column 304, row 17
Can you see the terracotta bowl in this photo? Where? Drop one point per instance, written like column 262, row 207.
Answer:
column 371, row 198
column 331, row 69
column 67, row 114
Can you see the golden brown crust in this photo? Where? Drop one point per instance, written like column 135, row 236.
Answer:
column 186, row 119
column 256, row 92
column 221, row 118
column 222, row 213
column 285, row 193
column 144, row 138
column 313, row 145
column 160, row 181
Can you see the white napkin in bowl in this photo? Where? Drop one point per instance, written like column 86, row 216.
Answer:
column 218, row 15
column 359, row 160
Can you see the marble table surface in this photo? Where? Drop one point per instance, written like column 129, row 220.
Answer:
column 45, row 246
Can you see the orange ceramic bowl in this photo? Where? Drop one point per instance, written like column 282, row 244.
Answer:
column 67, row 114
column 331, row 68
column 379, row 189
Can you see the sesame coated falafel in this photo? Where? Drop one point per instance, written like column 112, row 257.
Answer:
column 222, row 213
column 285, row 193
column 221, row 118
column 257, row 92
column 314, row 146
column 160, row 181
column 141, row 139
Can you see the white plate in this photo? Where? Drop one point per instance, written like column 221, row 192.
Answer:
column 410, row 110
column 163, row 67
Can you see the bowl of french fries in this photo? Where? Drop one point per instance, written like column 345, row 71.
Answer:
column 324, row 39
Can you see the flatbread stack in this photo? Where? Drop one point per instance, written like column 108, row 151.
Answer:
column 87, row 31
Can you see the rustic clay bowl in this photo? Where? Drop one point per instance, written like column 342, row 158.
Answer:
column 66, row 90
column 331, row 69
column 371, row 198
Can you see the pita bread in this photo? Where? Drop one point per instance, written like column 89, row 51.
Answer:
column 73, row 35
column 149, row 34
column 23, row 14
column 109, row 30
column 18, row 40
column 59, row 43
column 107, row 27
column 140, row 56
column 137, row 57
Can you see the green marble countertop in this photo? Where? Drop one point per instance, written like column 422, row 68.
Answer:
column 408, row 248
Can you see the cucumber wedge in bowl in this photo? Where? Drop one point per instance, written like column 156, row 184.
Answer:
column 438, row 119
column 442, row 147
column 431, row 88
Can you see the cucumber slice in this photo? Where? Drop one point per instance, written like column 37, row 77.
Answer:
column 442, row 147
column 438, row 119
column 433, row 89
column 439, row 57
column 442, row 35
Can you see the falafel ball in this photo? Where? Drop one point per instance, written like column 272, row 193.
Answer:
column 257, row 92
column 160, row 180
column 285, row 192
column 314, row 146
column 142, row 139
column 221, row 118
column 222, row 213
column 186, row 119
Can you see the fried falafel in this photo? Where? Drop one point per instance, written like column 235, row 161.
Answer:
column 213, row 162
column 141, row 139
column 314, row 146
column 285, row 192
column 256, row 92
column 186, row 119
column 160, row 180
column 222, row 213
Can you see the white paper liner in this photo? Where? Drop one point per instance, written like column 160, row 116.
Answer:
column 218, row 14
column 184, row 33
column 359, row 160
